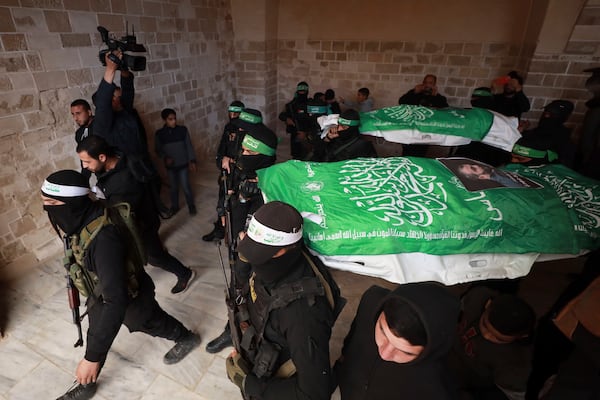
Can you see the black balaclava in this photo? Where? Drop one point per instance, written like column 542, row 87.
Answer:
column 249, row 164
column 275, row 269
column 556, row 113
column 266, row 142
column 273, row 227
column 73, row 189
column 353, row 117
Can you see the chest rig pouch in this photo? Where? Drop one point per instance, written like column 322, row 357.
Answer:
column 265, row 355
column 86, row 281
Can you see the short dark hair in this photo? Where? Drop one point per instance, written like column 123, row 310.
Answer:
column 404, row 322
column 431, row 75
column 164, row 114
column 95, row 145
column 515, row 75
column 364, row 91
column 511, row 315
column 329, row 94
column 81, row 102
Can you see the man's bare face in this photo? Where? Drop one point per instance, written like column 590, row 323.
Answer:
column 81, row 116
column 393, row 348
column 429, row 82
column 90, row 163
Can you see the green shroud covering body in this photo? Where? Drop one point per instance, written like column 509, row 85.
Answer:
column 405, row 204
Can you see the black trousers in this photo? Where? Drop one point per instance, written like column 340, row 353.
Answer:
column 160, row 257
column 143, row 314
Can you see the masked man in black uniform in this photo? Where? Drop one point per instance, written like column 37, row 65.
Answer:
column 258, row 151
column 293, row 115
column 227, row 153
column 344, row 141
column 284, row 350
column 65, row 197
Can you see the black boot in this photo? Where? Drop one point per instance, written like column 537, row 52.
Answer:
column 217, row 233
column 182, row 348
column 220, row 342
column 80, row 392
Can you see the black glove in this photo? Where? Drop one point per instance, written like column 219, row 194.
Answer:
column 249, row 189
column 237, row 370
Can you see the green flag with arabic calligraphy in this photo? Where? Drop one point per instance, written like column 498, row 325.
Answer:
column 472, row 123
column 405, row 204
column 410, row 124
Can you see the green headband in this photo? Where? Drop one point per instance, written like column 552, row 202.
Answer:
column 316, row 109
column 301, row 88
column 253, row 119
column 533, row 153
column 258, row 146
column 348, row 122
column 236, row 109
column 481, row 93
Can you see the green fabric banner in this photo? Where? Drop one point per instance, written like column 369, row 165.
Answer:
column 405, row 204
column 470, row 123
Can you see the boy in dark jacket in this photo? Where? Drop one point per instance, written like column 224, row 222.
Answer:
column 173, row 145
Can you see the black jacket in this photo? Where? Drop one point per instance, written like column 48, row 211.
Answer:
column 423, row 99
column 230, row 144
column 363, row 375
column 303, row 331
column 120, row 129
column 345, row 147
column 119, row 185
column 512, row 106
column 106, row 257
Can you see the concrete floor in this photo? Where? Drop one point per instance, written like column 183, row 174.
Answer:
column 37, row 358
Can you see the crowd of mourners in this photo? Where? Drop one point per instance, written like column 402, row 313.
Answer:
column 417, row 341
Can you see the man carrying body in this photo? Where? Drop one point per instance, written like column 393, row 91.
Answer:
column 397, row 343
column 112, row 301
column 117, row 184
column 491, row 357
column 344, row 141
column 285, row 341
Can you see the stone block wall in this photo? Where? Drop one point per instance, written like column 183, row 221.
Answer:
column 553, row 76
column 389, row 69
column 49, row 57
column 256, row 77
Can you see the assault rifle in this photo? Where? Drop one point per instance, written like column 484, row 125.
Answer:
column 233, row 296
column 72, row 292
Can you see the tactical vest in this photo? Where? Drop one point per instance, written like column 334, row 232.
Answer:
column 263, row 354
column 87, row 281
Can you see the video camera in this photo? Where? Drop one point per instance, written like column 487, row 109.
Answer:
column 126, row 44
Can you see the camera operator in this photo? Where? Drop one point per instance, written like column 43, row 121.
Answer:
column 116, row 119
column 118, row 122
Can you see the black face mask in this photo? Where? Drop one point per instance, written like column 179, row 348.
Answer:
column 302, row 97
column 275, row 269
column 249, row 164
column 69, row 217
column 348, row 134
